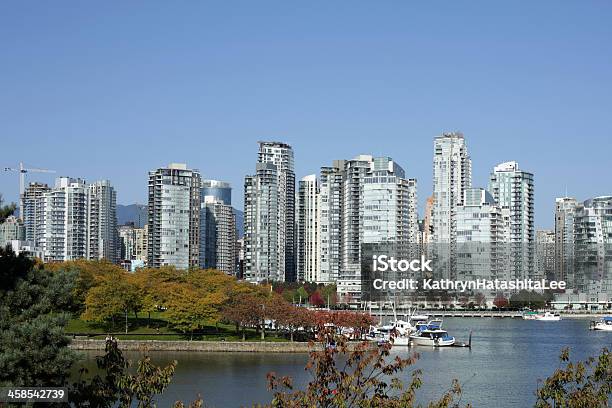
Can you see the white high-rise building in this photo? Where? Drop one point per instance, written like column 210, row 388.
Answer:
column 33, row 212
column 174, row 217
column 102, row 221
column 513, row 190
column 479, row 236
column 389, row 206
column 565, row 209
column 593, row 247
column 348, row 285
column 64, row 227
column 269, row 218
column 452, row 175
column 308, row 243
column 71, row 220
column 545, row 255
column 330, row 220
column 366, row 200
column 218, row 235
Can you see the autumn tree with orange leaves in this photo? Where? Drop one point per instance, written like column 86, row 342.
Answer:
column 364, row 376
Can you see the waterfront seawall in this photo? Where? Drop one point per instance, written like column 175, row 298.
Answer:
column 203, row 346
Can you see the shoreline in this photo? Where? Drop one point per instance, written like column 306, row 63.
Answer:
column 197, row 345
column 491, row 314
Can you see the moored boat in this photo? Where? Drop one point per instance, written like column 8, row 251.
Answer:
column 548, row 317
column 396, row 329
column 379, row 333
column 431, row 334
column 403, row 327
column 529, row 315
column 604, row 324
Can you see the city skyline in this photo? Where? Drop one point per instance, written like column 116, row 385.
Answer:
column 97, row 103
column 360, row 203
column 237, row 196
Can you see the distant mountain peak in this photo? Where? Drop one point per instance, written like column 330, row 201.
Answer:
column 136, row 213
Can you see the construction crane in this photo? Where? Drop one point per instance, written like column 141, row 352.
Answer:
column 22, row 172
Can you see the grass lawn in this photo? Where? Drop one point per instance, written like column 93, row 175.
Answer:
column 157, row 328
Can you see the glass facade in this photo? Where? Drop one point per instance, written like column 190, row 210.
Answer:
column 218, row 189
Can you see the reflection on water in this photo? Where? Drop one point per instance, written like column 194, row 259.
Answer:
column 502, row 369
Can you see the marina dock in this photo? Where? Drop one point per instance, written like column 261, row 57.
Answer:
column 482, row 313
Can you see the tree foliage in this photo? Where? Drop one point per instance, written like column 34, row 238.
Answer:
column 292, row 291
column 115, row 296
column 301, row 295
column 585, row 384
column 117, row 386
column 316, row 299
column 33, row 348
column 359, row 376
column 531, row 299
column 89, row 274
column 245, row 309
column 197, row 299
column 500, row 302
column 480, row 299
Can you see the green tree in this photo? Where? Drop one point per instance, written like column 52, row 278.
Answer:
column 33, row 347
column 89, row 274
column 584, row 384
column 289, row 295
column 213, row 287
column 153, row 285
column 188, row 311
column 116, row 386
column 525, row 298
column 301, row 294
column 111, row 299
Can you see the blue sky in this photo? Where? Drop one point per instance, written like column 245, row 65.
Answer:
column 114, row 89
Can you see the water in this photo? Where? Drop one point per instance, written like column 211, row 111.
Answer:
column 502, row 369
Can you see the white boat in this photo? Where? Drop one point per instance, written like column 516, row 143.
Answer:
column 530, row 315
column 401, row 340
column 400, row 335
column 548, row 317
column 431, row 334
column 604, row 324
column 379, row 333
column 402, row 327
column 396, row 329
